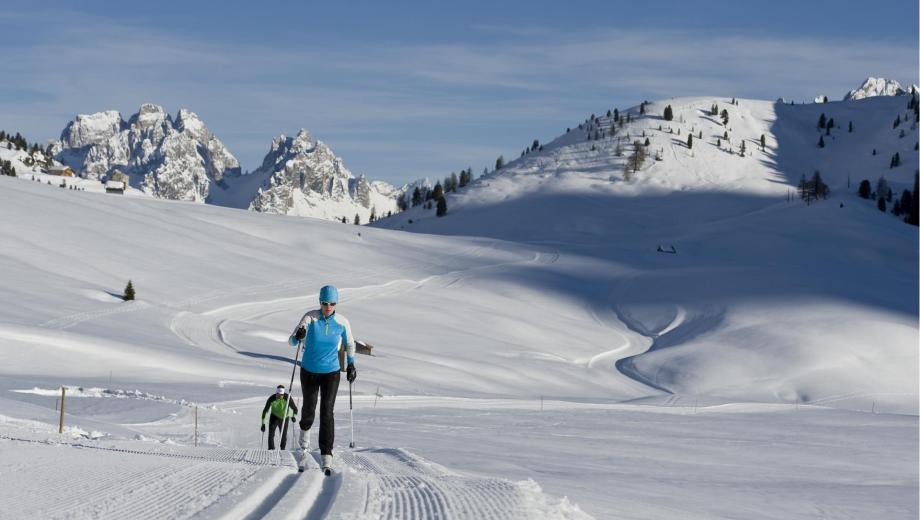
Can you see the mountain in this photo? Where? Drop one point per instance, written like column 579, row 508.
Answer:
column 178, row 160
column 302, row 176
column 878, row 87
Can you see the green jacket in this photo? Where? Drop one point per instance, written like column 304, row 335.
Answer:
column 276, row 404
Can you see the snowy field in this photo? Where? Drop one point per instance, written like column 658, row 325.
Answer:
column 534, row 355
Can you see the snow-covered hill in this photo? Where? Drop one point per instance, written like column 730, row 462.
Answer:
column 766, row 298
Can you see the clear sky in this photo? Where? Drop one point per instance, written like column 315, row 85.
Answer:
column 402, row 90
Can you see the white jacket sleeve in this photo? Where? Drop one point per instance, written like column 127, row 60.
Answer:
column 348, row 339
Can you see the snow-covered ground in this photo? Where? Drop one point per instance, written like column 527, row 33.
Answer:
column 534, row 355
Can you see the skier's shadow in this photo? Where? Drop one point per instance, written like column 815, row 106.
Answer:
column 269, row 356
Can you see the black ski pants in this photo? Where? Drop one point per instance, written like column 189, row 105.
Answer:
column 277, row 423
column 326, row 386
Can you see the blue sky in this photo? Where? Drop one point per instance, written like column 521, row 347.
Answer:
column 402, row 90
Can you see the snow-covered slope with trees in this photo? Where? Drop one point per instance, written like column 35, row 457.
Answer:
column 767, row 297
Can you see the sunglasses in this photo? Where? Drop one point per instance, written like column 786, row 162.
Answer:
column 330, row 304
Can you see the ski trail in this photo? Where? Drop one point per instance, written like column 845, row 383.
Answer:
column 102, row 482
column 401, row 485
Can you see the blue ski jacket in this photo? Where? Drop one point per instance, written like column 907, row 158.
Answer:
column 325, row 337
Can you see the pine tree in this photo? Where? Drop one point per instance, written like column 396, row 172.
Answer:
column 881, row 187
column 874, row 152
column 821, row 189
column 822, row 121
column 743, row 148
column 344, row 220
column 500, row 162
column 616, row 115
column 865, row 188
column 647, row 142
column 914, row 204
column 438, row 191
column 881, row 204
column 129, row 292
column 357, row 219
column 690, row 141
column 905, row 203
column 724, row 117
column 763, row 141
column 453, row 181
column 535, row 145
column 851, row 127
column 719, row 142
column 442, row 207
column 416, row 197
column 895, row 160
column 609, row 113
column 642, row 107
column 668, row 113
column 896, row 210
column 821, row 142
column 897, row 121
column 701, row 135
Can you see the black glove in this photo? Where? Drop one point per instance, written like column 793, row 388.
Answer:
column 301, row 333
column 263, row 428
column 351, row 373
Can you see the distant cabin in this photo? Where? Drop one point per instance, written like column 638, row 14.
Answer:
column 363, row 347
column 119, row 176
column 115, row 187
column 61, row 171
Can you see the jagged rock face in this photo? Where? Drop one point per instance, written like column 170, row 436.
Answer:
column 878, row 87
column 172, row 160
column 305, row 178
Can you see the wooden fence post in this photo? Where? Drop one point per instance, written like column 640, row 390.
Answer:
column 61, row 423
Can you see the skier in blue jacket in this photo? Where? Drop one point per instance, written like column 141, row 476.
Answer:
column 324, row 333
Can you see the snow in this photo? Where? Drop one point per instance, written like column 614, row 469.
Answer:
column 877, row 87
column 535, row 356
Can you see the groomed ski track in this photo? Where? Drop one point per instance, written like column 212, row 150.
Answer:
column 121, row 480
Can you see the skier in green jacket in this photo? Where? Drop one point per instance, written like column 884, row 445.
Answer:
column 277, row 403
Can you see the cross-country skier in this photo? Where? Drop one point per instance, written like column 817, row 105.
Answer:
column 325, row 333
column 276, row 403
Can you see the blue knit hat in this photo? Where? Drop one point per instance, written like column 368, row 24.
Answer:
column 329, row 294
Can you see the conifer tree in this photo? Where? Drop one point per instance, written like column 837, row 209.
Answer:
column 357, row 219
column 851, row 127
column 129, row 292
column 500, row 162
column 668, row 113
column 865, row 188
column 616, row 115
column 821, row 142
column 881, row 204
column 763, row 141
column 690, row 141
column 647, row 142
column 438, row 191
column 895, row 160
column 822, row 121
column 724, row 117
column 442, row 207
column 416, row 198
column 914, row 204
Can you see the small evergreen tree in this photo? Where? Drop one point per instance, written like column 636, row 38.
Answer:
column 881, row 204
column 897, row 121
column 357, row 219
column 763, row 141
column 668, row 113
column 616, row 115
column 743, row 148
column 905, row 202
column 914, row 203
column 724, row 117
column 690, row 141
column 129, row 292
column 438, row 191
column 647, row 142
column 881, row 187
column 499, row 163
column 865, row 189
column 874, row 152
column 442, row 207
column 895, row 160
column 851, row 127
column 416, row 198
column 821, row 142
column 822, row 121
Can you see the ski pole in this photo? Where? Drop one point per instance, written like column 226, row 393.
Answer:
column 263, row 440
column 291, row 388
column 351, row 415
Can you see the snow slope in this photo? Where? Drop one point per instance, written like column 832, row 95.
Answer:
column 555, row 366
column 766, row 300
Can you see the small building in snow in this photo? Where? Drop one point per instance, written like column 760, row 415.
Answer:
column 115, row 187
column 61, row 171
column 119, row 176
